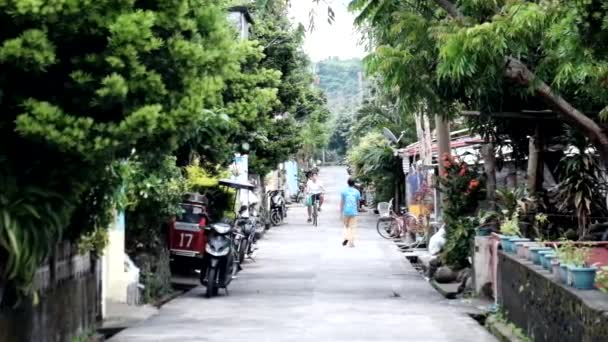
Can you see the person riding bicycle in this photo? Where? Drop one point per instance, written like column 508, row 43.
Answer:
column 314, row 189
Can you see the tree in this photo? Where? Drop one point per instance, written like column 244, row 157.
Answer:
column 374, row 163
column 338, row 140
column 477, row 51
column 83, row 85
column 300, row 109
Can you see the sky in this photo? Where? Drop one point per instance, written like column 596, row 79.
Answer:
column 339, row 39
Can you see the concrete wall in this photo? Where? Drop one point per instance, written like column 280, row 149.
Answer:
column 70, row 304
column 546, row 310
column 120, row 276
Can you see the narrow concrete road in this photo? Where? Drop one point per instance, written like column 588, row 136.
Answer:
column 304, row 286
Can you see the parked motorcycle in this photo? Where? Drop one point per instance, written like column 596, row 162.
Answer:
column 299, row 196
column 218, row 267
column 220, row 261
column 278, row 209
column 245, row 239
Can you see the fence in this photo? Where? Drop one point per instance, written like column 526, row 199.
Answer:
column 69, row 286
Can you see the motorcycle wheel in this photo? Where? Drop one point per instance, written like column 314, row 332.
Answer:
column 275, row 218
column 212, row 289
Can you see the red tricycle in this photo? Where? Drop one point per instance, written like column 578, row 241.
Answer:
column 187, row 238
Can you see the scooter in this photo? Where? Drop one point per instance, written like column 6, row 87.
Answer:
column 218, row 267
column 278, row 209
column 299, row 196
column 245, row 237
column 220, row 262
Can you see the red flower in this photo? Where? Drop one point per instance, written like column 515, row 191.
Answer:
column 473, row 184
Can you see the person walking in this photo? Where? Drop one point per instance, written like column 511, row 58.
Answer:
column 349, row 209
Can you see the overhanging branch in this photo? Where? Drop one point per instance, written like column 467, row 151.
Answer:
column 517, row 71
column 451, row 8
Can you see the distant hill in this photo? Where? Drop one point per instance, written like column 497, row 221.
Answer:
column 339, row 79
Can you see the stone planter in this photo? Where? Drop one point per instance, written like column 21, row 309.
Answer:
column 582, row 278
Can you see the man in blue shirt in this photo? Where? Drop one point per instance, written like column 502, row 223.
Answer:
column 349, row 209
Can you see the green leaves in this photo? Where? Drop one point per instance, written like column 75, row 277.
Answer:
column 31, row 51
column 31, row 221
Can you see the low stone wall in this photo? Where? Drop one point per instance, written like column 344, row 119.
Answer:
column 69, row 305
column 547, row 310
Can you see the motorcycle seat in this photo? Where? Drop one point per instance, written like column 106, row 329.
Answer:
column 220, row 227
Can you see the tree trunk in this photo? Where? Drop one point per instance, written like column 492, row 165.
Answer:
column 443, row 139
column 489, row 163
column 535, row 162
column 519, row 72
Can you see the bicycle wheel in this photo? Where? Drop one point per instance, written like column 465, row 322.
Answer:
column 413, row 231
column 386, row 226
column 315, row 213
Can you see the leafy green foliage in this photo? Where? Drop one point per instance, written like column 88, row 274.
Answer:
column 447, row 61
column 581, row 187
column 85, row 82
column 338, row 141
column 31, row 218
column 154, row 190
column 601, row 279
column 94, row 242
column 374, row 163
column 463, row 191
column 510, row 226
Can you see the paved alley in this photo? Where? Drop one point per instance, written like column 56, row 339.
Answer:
column 304, row 286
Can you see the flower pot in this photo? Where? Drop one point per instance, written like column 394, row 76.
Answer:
column 528, row 247
column 541, row 258
column 521, row 249
column 484, row 231
column 534, row 253
column 504, row 242
column 547, row 259
column 513, row 243
column 563, row 273
column 582, row 278
column 555, row 266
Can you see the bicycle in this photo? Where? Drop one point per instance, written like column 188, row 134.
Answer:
column 315, row 208
column 395, row 227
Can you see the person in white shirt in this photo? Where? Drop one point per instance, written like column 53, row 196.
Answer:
column 315, row 189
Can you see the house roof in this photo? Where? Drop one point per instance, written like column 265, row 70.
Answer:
column 458, row 139
column 244, row 10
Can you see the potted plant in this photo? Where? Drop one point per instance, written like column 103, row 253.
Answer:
column 555, row 268
column 542, row 254
column 564, row 252
column 522, row 248
column 601, row 279
column 547, row 260
column 581, row 275
column 534, row 253
column 509, row 230
column 527, row 247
